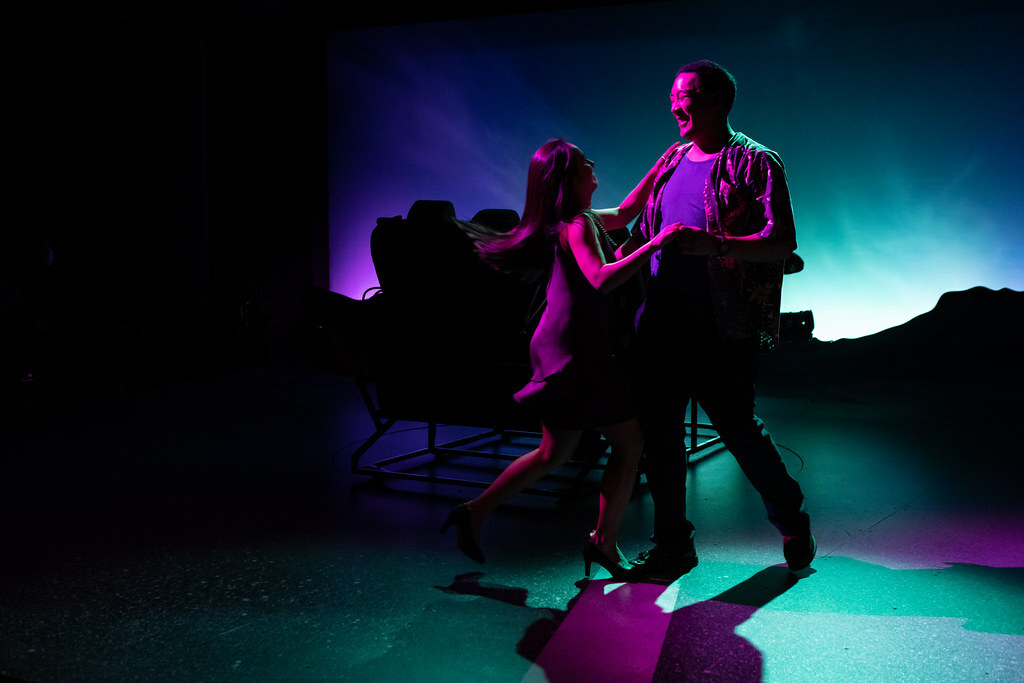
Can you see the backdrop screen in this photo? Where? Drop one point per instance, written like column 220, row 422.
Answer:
column 898, row 131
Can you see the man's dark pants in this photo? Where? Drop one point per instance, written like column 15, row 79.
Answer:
column 680, row 357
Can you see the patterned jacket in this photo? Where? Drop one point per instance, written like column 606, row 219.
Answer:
column 746, row 194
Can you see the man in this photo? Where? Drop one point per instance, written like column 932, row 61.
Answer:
column 713, row 305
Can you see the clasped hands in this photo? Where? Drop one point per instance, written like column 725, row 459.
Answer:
column 688, row 240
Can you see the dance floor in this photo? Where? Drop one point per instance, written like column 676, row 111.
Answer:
column 213, row 531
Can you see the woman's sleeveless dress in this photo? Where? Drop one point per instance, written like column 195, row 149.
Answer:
column 577, row 381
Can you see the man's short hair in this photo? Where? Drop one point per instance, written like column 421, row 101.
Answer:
column 714, row 80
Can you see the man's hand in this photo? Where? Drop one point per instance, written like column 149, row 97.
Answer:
column 696, row 242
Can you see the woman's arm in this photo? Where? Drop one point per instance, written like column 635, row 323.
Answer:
column 581, row 235
column 634, row 203
column 628, row 247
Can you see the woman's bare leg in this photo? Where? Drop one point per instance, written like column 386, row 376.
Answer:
column 626, row 439
column 556, row 447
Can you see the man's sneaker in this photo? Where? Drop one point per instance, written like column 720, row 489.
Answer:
column 799, row 551
column 660, row 565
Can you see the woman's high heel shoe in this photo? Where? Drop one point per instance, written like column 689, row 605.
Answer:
column 462, row 520
column 591, row 554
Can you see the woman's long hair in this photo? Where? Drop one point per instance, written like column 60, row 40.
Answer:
column 551, row 199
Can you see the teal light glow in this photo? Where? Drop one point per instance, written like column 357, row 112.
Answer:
column 898, row 137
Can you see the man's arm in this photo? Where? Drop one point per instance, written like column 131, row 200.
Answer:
column 776, row 241
column 748, row 248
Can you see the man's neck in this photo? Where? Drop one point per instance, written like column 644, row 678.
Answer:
column 707, row 147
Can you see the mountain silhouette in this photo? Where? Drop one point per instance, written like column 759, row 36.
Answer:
column 971, row 336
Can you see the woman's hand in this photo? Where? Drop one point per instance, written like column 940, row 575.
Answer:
column 667, row 154
column 670, row 233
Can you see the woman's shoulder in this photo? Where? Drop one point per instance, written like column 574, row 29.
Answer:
column 587, row 219
column 586, row 224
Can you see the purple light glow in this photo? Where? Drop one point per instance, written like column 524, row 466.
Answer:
column 916, row 540
column 628, row 631
column 613, row 632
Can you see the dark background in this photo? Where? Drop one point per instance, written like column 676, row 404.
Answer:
column 170, row 156
column 164, row 182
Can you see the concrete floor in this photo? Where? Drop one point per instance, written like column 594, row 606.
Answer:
column 212, row 531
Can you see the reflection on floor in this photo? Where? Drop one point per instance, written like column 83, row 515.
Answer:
column 213, row 531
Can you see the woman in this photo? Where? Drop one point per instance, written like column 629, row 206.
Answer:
column 576, row 383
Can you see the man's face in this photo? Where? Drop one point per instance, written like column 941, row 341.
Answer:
column 691, row 107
